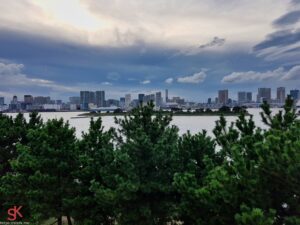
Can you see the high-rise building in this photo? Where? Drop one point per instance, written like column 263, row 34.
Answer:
column 100, row 98
column 209, row 101
column 216, row 100
column 127, row 100
column 92, row 97
column 223, row 97
column 167, row 95
column 281, row 94
column 141, row 98
column 158, row 99
column 14, row 100
column 264, row 94
column 84, row 99
column 249, row 97
column 28, row 99
column 295, row 94
column 244, row 97
column 1, row 100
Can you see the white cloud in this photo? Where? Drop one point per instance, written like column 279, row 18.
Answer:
column 146, row 82
column 169, row 80
column 11, row 76
column 292, row 74
column 106, row 83
column 194, row 79
column 173, row 23
column 253, row 76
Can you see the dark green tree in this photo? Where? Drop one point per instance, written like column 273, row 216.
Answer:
column 196, row 157
column 43, row 170
column 13, row 131
column 146, row 162
column 95, row 189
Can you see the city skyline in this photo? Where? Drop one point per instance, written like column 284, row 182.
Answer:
column 100, row 96
column 190, row 47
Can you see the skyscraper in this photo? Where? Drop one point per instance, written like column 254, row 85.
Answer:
column 84, row 99
column 209, row 101
column 28, row 99
column 281, row 94
column 223, row 97
column 127, row 100
column 249, row 97
column 92, row 97
column 158, row 99
column 14, row 100
column 167, row 95
column 264, row 94
column 1, row 100
column 244, row 97
column 100, row 98
column 141, row 98
column 295, row 94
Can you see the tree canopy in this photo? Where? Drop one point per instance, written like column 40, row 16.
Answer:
column 145, row 173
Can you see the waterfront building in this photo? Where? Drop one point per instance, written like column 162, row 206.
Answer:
column 223, row 97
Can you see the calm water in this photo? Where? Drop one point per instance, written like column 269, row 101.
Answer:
column 184, row 123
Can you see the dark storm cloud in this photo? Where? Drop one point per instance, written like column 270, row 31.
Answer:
column 215, row 42
column 81, row 61
column 279, row 39
column 69, row 64
column 283, row 44
column 296, row 2
column 288, row 19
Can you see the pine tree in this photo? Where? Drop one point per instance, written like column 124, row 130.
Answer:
column 95, row 189
column 43, row 170
column 146, row 162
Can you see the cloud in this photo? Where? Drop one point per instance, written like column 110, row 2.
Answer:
column 283, row 43
column 194, row 79
column 146, row 82
column 279, row 74
column 279, row 39
column 169, row 80
column 215, row 42
column 292, row 74
column 295, row 2
column 131, row 22
column 106, row 83
column 288, row 19
column 11, row 76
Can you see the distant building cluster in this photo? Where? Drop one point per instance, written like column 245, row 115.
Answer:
column 96, row 101
column 30, row 103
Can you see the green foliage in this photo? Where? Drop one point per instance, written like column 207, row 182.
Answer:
column 95, row 188
column 147, row 152
column 43, row 169
column 254, row 217
column 13, row 131
column 145, row 173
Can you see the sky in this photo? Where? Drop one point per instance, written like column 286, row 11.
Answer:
column 192, row 47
